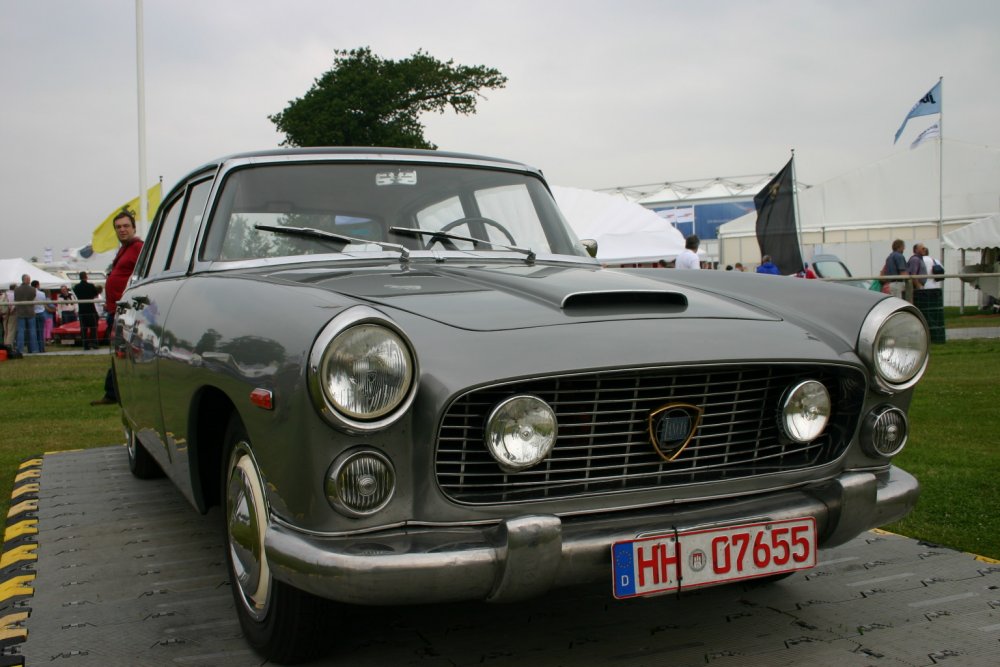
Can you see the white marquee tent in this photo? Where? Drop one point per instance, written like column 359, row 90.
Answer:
column 897, row 197
column 626, row 233
column 984, row 233
column 11, row 271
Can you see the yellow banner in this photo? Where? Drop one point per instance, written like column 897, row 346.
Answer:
column 105, row 239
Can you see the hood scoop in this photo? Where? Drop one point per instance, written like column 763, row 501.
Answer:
column 658, row 302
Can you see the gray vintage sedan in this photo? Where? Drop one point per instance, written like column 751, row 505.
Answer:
column 405, row 380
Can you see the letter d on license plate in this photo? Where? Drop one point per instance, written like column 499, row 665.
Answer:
column 712, row 556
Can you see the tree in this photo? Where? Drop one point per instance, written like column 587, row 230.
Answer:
column 367, row 101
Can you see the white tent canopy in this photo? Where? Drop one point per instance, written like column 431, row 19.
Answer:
column 11, row 271
column 984, row 233
column 901, row 189
column 625, row 232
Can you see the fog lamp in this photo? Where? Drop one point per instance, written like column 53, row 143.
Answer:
column 520, row 432
column 805, row 411
column 360, row 482
column 884, row 431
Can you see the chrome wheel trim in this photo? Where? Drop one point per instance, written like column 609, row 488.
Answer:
column 246, row 520
column 130, row 443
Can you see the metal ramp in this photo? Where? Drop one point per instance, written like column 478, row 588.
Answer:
column 100, row 568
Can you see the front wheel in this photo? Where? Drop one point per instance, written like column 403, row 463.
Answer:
column 281, row 622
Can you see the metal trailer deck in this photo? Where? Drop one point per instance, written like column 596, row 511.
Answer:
column 100, row 568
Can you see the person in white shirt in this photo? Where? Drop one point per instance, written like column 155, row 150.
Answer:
column 688, row 258
column 929, row 262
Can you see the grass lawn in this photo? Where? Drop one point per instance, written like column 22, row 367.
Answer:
column 954, row 446
column 954, row 449
column 972, row 318
column 46, row 408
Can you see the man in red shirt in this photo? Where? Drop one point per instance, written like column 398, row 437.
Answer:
column 121, row 270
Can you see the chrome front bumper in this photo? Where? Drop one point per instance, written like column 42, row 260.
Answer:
column 526, row 556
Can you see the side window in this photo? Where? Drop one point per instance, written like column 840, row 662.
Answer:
column 164, row 238
column 193, row 212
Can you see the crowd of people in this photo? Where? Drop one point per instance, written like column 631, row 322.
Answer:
column 28, row 314
column 908, row 276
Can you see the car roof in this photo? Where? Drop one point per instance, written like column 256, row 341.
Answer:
column 370, row 152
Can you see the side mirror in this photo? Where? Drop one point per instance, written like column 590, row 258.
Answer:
column 590, row 245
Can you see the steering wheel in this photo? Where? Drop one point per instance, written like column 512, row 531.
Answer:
column 489, row 222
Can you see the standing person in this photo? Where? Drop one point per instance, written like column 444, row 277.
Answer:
column 915, row 266
column 121, row 270
column 41, row 314
column 86, row 292
column 768, row 267
column 688, row 258
column 24, row 295
column 929, row 264
column 9, row 318
column 895, row 265
column 67, row 305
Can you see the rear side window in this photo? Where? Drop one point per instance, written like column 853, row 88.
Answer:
column 194, row 210
column 165, row 237
column 178, row 229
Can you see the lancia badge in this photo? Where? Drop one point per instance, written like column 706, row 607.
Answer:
column 672, row 427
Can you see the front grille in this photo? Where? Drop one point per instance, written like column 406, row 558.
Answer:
column 604, row 446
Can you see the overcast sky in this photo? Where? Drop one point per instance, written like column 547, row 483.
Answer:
column 600, row 93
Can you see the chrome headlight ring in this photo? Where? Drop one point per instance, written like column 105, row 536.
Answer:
column 805, row 411
column 894, row 343
column 363, row 373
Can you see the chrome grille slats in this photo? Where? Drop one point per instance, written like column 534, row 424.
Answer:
column 604, row 445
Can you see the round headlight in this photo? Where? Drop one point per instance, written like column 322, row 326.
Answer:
column 900, row 349
column 366, row 371
column 805, row 411
column 520, row 432
column 360, row 482
column 884, row 431
column 894, row 341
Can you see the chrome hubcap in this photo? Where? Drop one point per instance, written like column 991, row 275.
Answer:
column 246, row 518
column 130, row 443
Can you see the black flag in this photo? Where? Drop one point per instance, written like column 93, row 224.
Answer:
column 777, row 235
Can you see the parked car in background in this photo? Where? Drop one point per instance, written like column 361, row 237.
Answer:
column 831, row 266
column 69, row 333
column 405, row 381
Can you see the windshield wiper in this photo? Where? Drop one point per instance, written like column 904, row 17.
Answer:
column 409, row 231
column 342, row 240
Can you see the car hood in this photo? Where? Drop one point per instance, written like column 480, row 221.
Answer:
column 491, row 297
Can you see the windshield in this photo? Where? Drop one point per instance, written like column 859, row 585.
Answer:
column 364, row 201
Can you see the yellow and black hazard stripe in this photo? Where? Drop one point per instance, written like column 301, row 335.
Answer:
column 17, row 561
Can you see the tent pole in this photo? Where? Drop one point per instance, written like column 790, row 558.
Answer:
column 961, row 288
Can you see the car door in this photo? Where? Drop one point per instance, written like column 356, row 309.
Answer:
column 142, row 333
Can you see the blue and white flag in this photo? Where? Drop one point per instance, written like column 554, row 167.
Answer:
column 931, row 132
column 926, row 105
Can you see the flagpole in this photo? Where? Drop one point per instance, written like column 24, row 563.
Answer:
column 795, row 201
column 141, row 93
column 941, row 170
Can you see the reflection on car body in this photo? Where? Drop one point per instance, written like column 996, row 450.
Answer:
column 405, row 381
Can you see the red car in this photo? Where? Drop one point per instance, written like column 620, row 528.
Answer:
column 69, row 333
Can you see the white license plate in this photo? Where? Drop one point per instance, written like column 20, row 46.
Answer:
column 704, row 557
